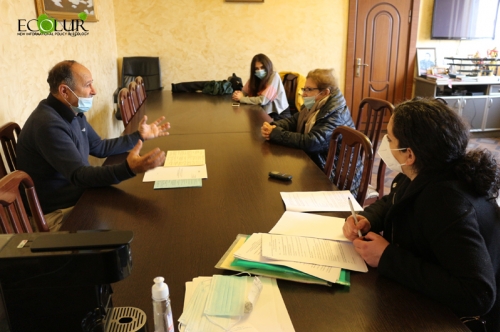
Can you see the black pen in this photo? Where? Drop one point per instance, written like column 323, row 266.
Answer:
column 354, row 216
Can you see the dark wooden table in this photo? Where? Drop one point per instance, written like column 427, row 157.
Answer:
column 182, row 233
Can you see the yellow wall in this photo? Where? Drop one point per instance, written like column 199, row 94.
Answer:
column 210, row 39
column 26, row 60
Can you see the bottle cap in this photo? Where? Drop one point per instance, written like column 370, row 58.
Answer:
column 160, row 289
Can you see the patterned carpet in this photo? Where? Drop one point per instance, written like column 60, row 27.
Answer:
column 492, row 144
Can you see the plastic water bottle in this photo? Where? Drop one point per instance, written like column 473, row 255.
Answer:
column 161, row 306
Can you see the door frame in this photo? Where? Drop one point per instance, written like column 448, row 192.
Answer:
column 410, row 61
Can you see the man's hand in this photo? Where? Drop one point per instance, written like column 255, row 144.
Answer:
column 266, row 130
column 140, row 164
column 153, row 130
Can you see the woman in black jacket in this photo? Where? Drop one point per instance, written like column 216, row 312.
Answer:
column 310, row 129
column 440, row 223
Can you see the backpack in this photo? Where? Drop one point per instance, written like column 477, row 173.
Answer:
column 290, row 85
column 236, row 82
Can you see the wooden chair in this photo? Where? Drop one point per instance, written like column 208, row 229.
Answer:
column 125, row 104
column 142, row 89
column 132, row 88
column 376, row 110
column 13, row 216
column 355, row 145
column 8, row 138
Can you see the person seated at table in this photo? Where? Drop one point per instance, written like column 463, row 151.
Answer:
column 311, row 129
column 264, row 88
column 438, row 229
column 56, row 141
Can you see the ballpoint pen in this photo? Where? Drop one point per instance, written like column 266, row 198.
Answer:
column 354, row 215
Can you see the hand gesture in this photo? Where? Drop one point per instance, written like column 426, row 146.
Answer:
column 371, row 247
column 140, row 164
column 153, row 130
column 266, row 130
column 237, row 95
column 351, row 230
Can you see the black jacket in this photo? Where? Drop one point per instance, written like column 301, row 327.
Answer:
column 315, row 143
column 445, row 242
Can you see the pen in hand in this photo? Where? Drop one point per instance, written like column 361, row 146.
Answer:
column 354, row 215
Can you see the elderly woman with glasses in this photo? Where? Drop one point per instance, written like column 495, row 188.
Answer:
column 310, row 129
column 438, row 230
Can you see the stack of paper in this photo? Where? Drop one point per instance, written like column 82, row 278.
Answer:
column 269, row 312
column 182, row 168
column 317, row 201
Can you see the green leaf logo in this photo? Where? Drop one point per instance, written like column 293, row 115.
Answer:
column 82, row 16
column 45, row 24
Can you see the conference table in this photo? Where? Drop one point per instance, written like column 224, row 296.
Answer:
column 182, row 233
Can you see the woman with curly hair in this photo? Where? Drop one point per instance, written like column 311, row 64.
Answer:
column 438, row 230
column 264, row 88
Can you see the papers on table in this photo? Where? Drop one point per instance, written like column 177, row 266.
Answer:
column 179, row 165
column 269, row 313
column 251, row 250
column 309, row 201
column 310, row 225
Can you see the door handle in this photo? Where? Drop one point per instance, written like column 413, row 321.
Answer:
column 358, row 65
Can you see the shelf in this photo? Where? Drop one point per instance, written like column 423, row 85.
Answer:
column 480, row 66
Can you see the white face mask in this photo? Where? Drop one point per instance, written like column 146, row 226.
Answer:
column 384, row 151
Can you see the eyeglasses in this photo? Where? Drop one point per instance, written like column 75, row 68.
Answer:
column 309, row 89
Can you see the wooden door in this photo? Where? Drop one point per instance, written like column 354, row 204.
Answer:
column 382, row 37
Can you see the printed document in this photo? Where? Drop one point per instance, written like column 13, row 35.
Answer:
column 310, row 225
column 251, row 250
column 317, row 201
column 185, row 158
column 311, row 250
column 176, row 173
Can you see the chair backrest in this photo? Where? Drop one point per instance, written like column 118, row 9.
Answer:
column 13, row 216
column 132, row 89
column 142, row 88
column 8, row 137
column 376, row 109
column 355, row 146
column 125, row 104
column 293, row 83
column 146, row 67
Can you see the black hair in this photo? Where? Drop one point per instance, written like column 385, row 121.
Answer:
column 61, row 73
column 439, row 139
column 256, row 84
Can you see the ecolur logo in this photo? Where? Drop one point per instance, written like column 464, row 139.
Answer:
column 47, row 25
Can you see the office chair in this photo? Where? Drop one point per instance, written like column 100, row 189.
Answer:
column 8, row 138
column 355, row 145
column 13, row 216
column 376, row 110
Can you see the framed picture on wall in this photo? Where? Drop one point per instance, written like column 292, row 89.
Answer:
column 426, row 58
column 67, row 9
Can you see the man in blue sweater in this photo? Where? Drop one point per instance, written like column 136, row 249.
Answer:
column 56, row 141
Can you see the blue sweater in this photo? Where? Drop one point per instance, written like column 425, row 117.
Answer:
column 53, row 148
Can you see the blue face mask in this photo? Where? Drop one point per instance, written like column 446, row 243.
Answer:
column 309, row 102
column 84, row 104
column 261, row 73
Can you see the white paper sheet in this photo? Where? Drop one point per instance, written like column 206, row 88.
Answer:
column 251, row 250
column 269, row 314
column 310, row 225
column 185, row 158
column 176, row 173
column 317, row 201
column 311, row 250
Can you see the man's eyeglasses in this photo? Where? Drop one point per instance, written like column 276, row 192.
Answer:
column 309, row 89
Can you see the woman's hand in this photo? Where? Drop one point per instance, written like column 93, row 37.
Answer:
column 371, row 247
column 237, row 95
column 266, row 130
column 351, row 230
